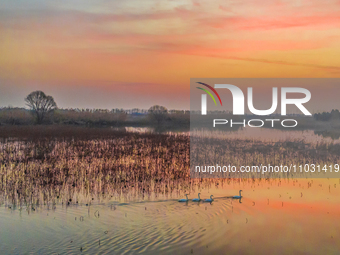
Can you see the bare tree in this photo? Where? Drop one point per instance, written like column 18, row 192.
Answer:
column 158, row 113
column 40, row 104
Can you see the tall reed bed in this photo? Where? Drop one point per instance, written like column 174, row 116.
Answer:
column 210, row 149
column 117, row 162
column 72, row 165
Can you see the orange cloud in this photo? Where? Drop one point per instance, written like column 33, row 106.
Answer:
column 169, row 43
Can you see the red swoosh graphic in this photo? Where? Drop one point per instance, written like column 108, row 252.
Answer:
column 212, row 90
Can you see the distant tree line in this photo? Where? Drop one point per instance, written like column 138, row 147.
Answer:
column 42, row 109
column 327, row 116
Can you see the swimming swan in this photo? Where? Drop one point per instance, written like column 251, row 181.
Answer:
column 197, row 199
column 184, row 200
column 209, row 199
column 238, row 197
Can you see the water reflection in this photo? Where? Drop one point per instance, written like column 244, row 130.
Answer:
column 119, row 195
column 272, row 135
column 294, row 216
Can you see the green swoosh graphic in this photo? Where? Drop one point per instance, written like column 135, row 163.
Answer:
column 208, row 93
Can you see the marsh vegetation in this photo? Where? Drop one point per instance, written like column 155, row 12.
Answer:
column 40, row 164
column 96, row 190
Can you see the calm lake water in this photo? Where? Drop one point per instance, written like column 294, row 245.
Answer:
column 272, row 135
column 263, row 134
column 286, row 217
column 76, row 211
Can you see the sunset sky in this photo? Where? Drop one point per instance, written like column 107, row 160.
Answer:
column 137, row 53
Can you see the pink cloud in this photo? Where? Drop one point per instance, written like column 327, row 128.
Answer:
column 331, row 20
column 272, row 23
column 196, row 3
column 73, row 28
column 226, row 9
